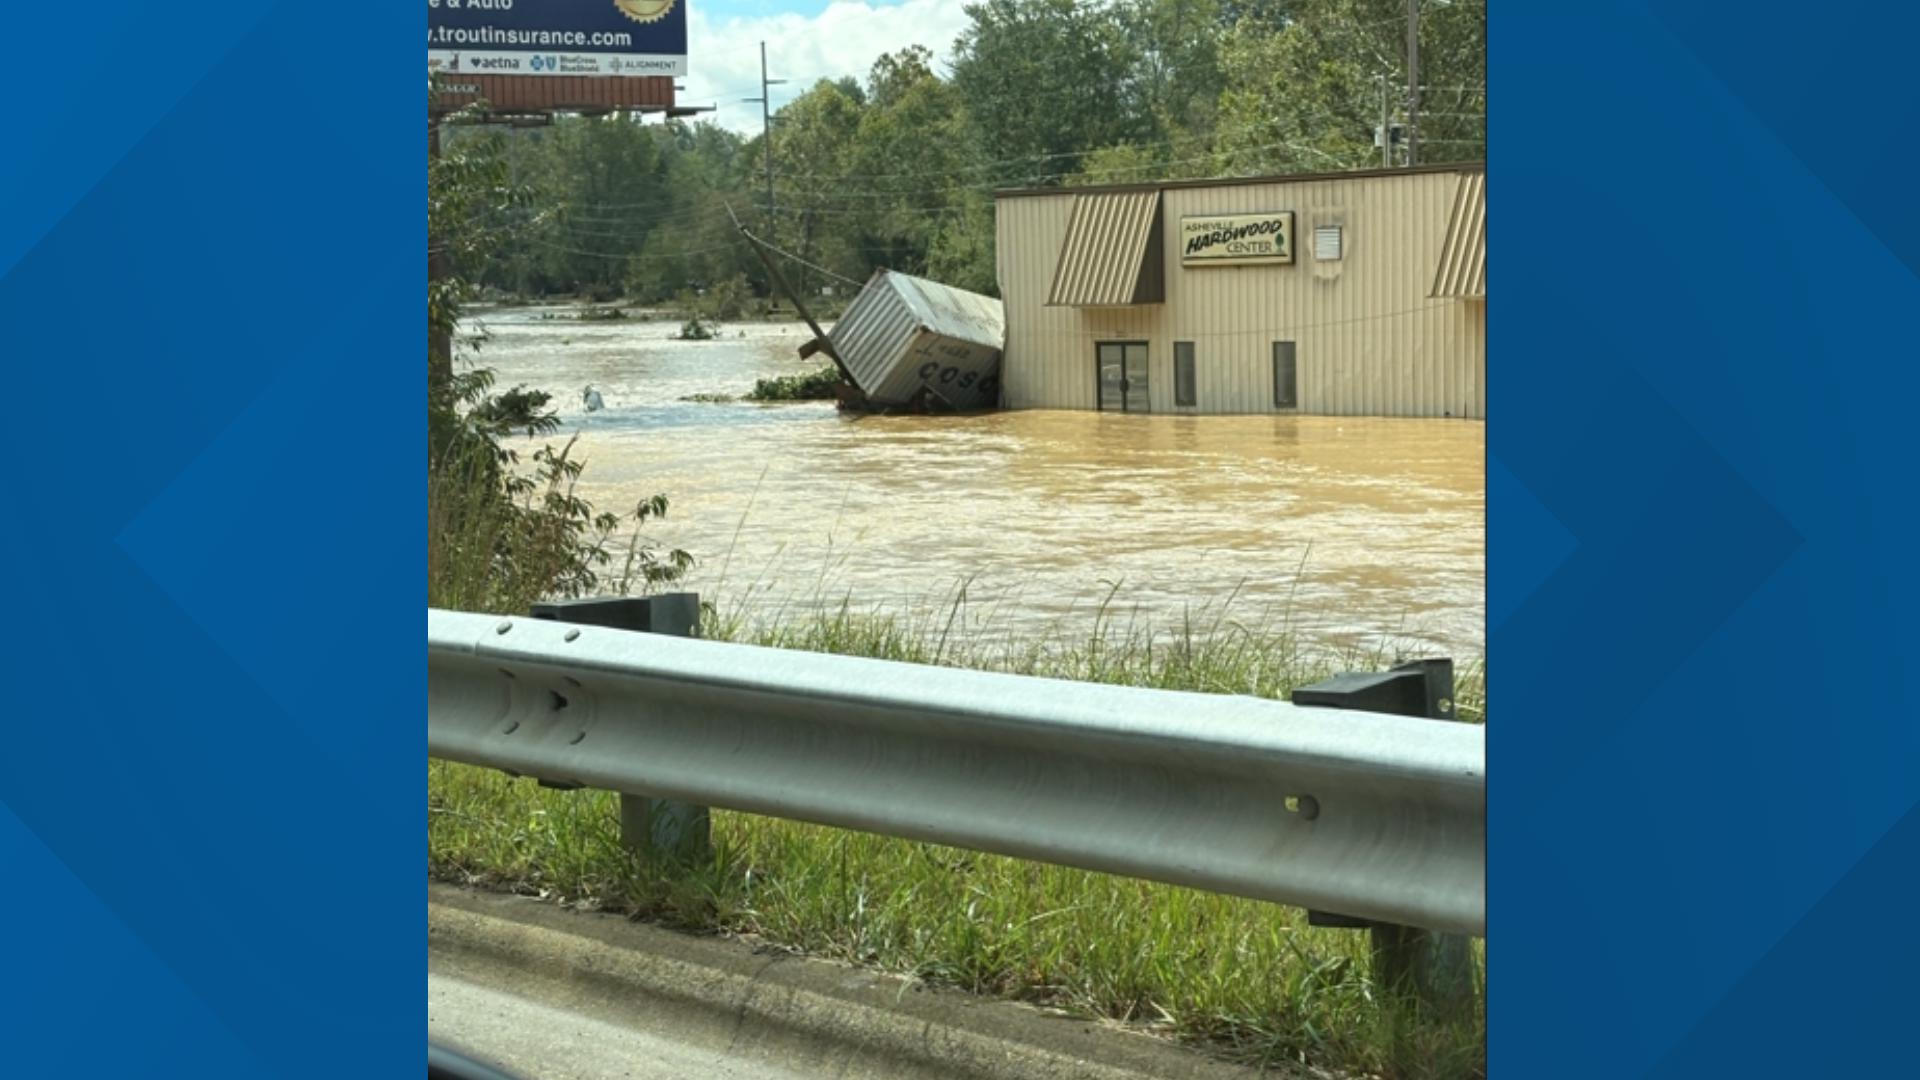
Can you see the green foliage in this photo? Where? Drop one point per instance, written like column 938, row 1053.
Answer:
column 1054, row 77
column 728, row 299
column 502, row 543
column 694, row 330
column 518, row 408
column 1309, row 97
column 502, row 533
column 897, row 170
column 815, row 386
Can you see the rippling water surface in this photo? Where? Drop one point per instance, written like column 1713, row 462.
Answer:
column 1354, row 532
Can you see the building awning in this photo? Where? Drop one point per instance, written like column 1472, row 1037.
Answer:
column 1112, row 255
column 1463, row 258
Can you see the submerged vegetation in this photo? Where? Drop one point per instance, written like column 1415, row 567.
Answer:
column 694, row 330
column 814, row 386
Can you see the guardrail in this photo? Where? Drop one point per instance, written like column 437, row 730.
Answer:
column 1375, row 817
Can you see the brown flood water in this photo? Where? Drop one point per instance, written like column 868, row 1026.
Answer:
column 1353, row 532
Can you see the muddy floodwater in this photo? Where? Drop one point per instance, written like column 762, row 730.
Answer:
column 1353, row 533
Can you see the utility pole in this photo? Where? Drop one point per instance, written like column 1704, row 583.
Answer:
column 766, row 137
column 766, row 127
column 1413, row 82
column 1386, row 128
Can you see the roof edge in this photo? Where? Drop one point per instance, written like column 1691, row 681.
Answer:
column 1244, row 181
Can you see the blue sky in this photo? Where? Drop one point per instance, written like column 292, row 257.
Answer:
column 806, row 40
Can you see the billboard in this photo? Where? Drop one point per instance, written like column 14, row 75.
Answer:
column 557, row 37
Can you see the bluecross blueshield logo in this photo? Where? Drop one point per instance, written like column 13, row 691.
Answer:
column 538, row 63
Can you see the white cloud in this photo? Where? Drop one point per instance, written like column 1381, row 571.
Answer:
column 843, row 39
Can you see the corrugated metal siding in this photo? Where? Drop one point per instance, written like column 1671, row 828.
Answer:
column 951, row 312
column 898, row 324
column 1463, row 258
column 1369, row 339
column 873, row 333
column 1105, row 260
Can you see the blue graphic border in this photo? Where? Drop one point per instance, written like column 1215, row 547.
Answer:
column 210, row 286
column 1705, row 759
column 1704, row 747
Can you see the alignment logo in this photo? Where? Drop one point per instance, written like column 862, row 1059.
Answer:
column 644, row 11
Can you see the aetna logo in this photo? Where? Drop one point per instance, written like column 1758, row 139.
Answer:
column 485, row 62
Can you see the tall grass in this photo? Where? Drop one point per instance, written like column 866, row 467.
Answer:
column 1247, row 980
column 501, row 541
column 1209, row 649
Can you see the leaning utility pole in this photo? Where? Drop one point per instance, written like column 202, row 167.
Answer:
column 778, row 281
column 1413, row 82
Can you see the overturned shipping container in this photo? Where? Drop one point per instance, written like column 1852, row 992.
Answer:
column 912, row 342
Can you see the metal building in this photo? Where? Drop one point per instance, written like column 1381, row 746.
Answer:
column 1360, row 293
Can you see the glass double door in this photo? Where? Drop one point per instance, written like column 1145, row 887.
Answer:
column 1122, row 367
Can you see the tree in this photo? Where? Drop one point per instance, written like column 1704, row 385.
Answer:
column 897, row 170
column 917, row 154
column 1056, row 79
column 1175, row 45
column 694, row 244
column 499, row 538
column 813, row 143
column 606, row 182
column 1308, row 97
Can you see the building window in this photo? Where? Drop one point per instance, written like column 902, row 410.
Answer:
column 1286, row 394
column 1326, row 243
column 1183, row 374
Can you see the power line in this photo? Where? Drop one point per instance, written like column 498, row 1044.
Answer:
column 812, row 265
column 1193, row 138
column 766, row 126
column 1153, row 166
column 595, row 215
column 536, row 241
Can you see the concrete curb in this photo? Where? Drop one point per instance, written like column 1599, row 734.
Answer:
column 806, row 1016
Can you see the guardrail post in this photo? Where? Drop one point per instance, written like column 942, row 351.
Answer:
column 1432, row 968
column 652, row 826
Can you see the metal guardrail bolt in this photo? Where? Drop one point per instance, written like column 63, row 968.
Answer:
column 1431, row 969
column 654, row 827
column 503, row 628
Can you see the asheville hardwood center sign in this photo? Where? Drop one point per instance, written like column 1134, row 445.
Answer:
column 1236, row 239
